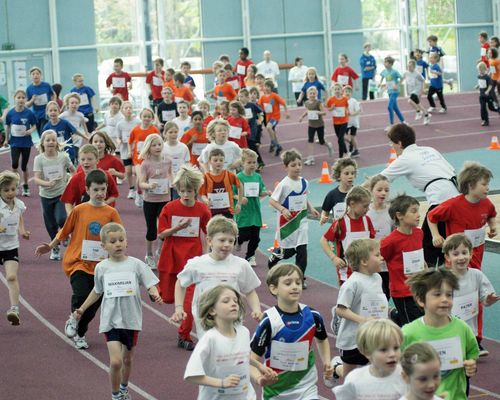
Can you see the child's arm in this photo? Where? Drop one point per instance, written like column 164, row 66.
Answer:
column 179, row 295
column 93, row 101
column 437, row 239
column 68, row 207
column 228, row 382
column 261, row 374
column 239, row 199
column 46, row 247
column 91, row 299
column 254, row 303
column 324, row 353
column 41, row 182
column 324, row 217
column 492, row 224
column 490, row 299
column 22, row 230
column 110, row 200
column 155, row 295
column 143, row 182
column 344, row 312
column 99, row 127
column 337, row 261
column 312, row 210
column 281, row 209
column 305, row 112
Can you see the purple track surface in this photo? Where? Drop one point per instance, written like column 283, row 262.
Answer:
column 39, row 362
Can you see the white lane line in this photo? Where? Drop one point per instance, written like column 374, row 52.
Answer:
column 68, row 341
column 484, row 391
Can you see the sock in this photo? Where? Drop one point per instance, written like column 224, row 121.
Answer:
column 132, row 187
column 115, row 395
column 124, row 386
column 25, row 186
column 15, row 307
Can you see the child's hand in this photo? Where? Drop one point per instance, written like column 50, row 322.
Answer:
column 244, row 201
column 257, row 315
column 493, row 232
column 315, row 213
column 155, row 297
column 339, row 262
column 112, row 171
column 286, row 213
column 3, row 229
column 237, row 209
column 287, row 116
column 492, row 298
column 153, row 185
column 78, row 313
column 26, row 235
column 42, row 249
column 231, row 381
column 328, row 370
column 179, row 315
column 437, row 241
column 470, row 367
column 268, row 376
column 323, row 219
column 184, row 223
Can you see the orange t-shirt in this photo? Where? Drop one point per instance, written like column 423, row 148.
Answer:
column 196, row 146
column 170, row 84
column 495, row 68
column 137, row 136
column 84, row 223
column 224, row 90
column 270, row 104
column 183, row 93
column 341, row 110
column 222, row 183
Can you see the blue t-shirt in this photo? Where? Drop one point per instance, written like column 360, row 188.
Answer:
column 421, row 64
column 367, row 61
column 189, row 79
column 317, row 84
column 436, row 49
column 436, row 82
column 19, row 121
column 252, row 122
column 86, row 93
column 44, row 94
column 392, row 78
column 64, row 130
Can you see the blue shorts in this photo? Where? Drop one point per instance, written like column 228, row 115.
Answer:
column 9, row 255
column 127, row 337
column 273, row 123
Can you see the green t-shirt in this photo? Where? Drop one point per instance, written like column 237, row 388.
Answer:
column 3, row 105
column 453, row 381
column 250, row 214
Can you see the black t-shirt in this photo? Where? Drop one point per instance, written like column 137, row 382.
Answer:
column 333, row 197
column 166, row 107
column 487, row 80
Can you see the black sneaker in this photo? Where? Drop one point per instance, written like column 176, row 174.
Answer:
column 272, row 146
column 185, row 344
column 273, row 260
column 485, row 123
column 355, row 153
column 278, row 151
column 482, row 351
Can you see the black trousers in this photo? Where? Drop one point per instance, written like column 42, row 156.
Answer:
column 364, row 85
column 340, row 131
column 300, row 253
column 82, row 284
column 486, row 102
column 439, row 93
column 152, row 211
column 433, row 255
column 408, row 310
column 250, row 234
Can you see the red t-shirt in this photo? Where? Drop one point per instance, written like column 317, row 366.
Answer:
column 119, row 83
column 392, row 248
column 347, row 72
column 234, row 81
column 240, row 67
column 459, row 215
column 137, row 136
column 209, row 118
column 107, row 162
column 242, row 123
column 156, row 83
column 75, row 189
column 201, row 139
column 270, row 104
column 342, row 103
column 484, row 57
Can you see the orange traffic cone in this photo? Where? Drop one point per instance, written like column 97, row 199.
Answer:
column 325, row 176
column 494, row 143
column 276, row 245
column 392, row 157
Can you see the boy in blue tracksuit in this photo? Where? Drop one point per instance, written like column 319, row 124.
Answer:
column 436, row 84
column 368, row 70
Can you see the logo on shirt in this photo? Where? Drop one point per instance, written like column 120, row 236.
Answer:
column 219, row 190
column 24, row 121
column 94, row 228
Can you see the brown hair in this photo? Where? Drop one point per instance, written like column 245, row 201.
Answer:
column 280, row 270
column 290, row 155
column 359, row 250
column 472, row 172
column 423, row 282
column 402, row 133
column 342, row 163
column 452, row 242
column 401, row 204
column 109, row 146
column 417, row 353
column 209, row 299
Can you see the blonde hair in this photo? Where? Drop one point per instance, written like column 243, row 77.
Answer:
column 359, row 250
column 189, row 177
column 376, row 334
column 248, row 154
column 472, row 172
column 145, row 110
column 76, row 76
column 315, row 74
column 89, row 149
column 71, row 95
column 417, row 353
column 213, row 125
column 371, row 182
column 147, row 145
column 209, row 299
column 50, row 104
column 342, row 163
column 109, row 146
column 110, row 227
column 8, row 177
column 356, row 195
column 221, row 224
column 41, row 147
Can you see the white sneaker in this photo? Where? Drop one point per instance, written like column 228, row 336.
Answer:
column 427, row 119
column 125, row 394
column 26, row 192
column 431, row 109
column 150, row 261
column 131, row 194
column 237, row 246
column 71, row 326
column 252, row 261
column 55, row 254
column 418, row 115
column 309, row 161
column 119, row 181
column 330, row 149
column 139, row 201
column 388, row 128
column 442, row 111
column 80, row 342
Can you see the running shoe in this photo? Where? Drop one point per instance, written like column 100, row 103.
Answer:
column 71, row 326
column 13, row 315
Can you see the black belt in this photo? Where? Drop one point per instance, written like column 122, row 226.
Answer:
column 453, row 180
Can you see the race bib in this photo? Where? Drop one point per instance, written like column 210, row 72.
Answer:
column 251, row 189
column 176, row 165
column 248, row 113
column 41, row 99
column 339, row 210
column 218, row 200
column 289, row 356
column 241, row 369
column 179, row 99
column 482, row 83
column 168, row 115
column 268, row 108
column 10, row 224
column 413, row 261
column 157, row 81
column 241, row 69
column 18, row 130
column 192, row 230
column 374, row 306
column 220, row 99
column 197, row 148
column 235, row 83
column 118, row 82
column 162, row 188
column 53, row 172
column 476, row 236
column 352, row 236
column 450, row 352
column 339, row 112
column 235, row 132
column 140, row 146
column 493, row 70
column 312, row 115
column 297, row 203
column 420, row 69
column 60, row 139
column 92, row 250
column 84, row 99
column 465, row 307
column 120, row 284
column 343, row 79
column 483, row 51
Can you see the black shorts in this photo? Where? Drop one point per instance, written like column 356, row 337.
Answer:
column 127, row 162
column 353, row 357
column 415, row 98
column 9, row 255
column 127, row 337
column 352, row 130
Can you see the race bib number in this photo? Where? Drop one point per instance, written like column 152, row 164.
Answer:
column 53, row 172
column 120, row 284
column 312, row 115
column 84, row 99
column 251, row 189
column 176, row 165
column 476, row 236
column 339, row 112
column 10, row 224
column 343, row 79
column 118, row 82
column 41, row 99
column 157, row 81
column 218, row 200
column 297, row 203
column 197, row 148
column 374, row 306
column 413, row 261
column 235, row 132
column 450, row 352
column 248, row 113
column 18, row 130
column 268, row 108
column 163, row 186
column 289, row 356
column 465, row 307
column 482, row 83
column 93, row 251
column 241, row 69
column 235, row 83
column 168, row 115
column 192, row 230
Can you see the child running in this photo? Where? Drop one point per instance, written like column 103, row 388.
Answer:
column 393, row 80
column 75, row 118
column 436, row 84
column 486, row 93
column 176, row 151
column 239, row 128
column 339, row 106
column 354, row 122
column 117, row 281
column 50, row 169
column 183, row 121
column 166, row 111
column 285, row 337
column 88, row 100
column 195, row 138
column 344, row 74
column 414, row 89
column 11, row 226
column 221, row 364
column 107, row 161
column 111, row 119
column 311, row 80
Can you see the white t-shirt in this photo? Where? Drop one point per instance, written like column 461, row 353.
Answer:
column 123, row 129
column 420, row 165
column 110, row 122
column 383, row 225
column 9, row 219
column 218, row 356
column 357, row 292
column 297, row 76
column 360, row 384
column 414, row 82
column 270, row 70
column 474, row 286
column 183, row 125
column 179, row 154
column 433, row 398
column 354, row 107
column 232, row 152
column 78, row 120
column 206, row 273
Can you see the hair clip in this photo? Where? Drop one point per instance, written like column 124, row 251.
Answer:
column 414, row 359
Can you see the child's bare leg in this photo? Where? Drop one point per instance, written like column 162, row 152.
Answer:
column 414, row 105
column 26, row 177
column 310, row 150
column 354, row 143
column 130, row 178
column 11, row 268
column 115, row 364
column 127, row 357
column 149, row 247
column 272, row 133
